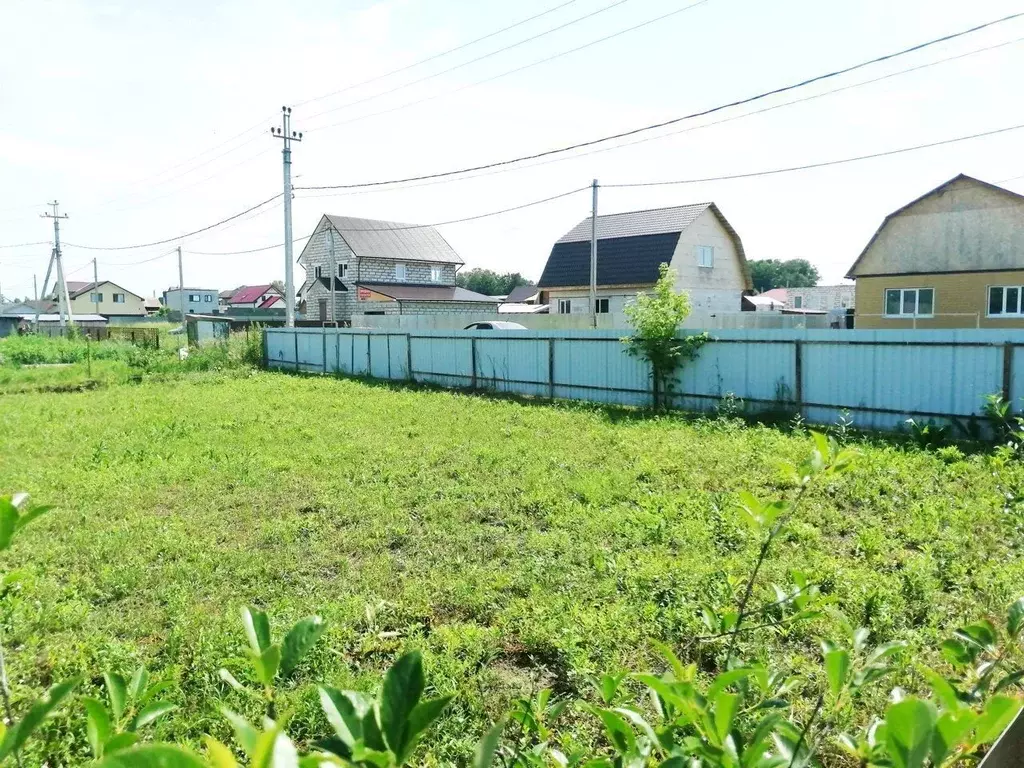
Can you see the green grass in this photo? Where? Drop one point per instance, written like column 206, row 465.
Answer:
column 516, row 544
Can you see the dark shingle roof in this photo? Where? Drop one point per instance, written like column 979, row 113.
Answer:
column 522, row 293
column 620, row 260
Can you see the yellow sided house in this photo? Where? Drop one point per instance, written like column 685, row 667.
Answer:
column 952, row 258
column 106, row 298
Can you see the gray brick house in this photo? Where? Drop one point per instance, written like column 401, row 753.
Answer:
column 384, row 268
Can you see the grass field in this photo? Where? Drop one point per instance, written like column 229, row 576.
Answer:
column 516, row 544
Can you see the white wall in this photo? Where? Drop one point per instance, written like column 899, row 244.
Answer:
column 713, row 289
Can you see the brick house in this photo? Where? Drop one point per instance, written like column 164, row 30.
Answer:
column 382, row 268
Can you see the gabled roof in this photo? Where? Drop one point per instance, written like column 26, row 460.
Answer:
column 248, row 294
column 271, row 302
column 419, row 292
column 375, row 239
column 81, row 288
column 630, row 247
column 522, row 293
column 960, row 177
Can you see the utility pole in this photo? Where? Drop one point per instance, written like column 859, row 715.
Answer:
column 35, row 299
column 286, row 133
column 95, row 286
column 181, row 289
column 593, row 257
column 46, row 282
column 63, row 286
column 334, row 274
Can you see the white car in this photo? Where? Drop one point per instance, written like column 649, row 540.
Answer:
column 495, row 325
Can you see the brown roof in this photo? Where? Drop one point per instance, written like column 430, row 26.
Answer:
column 407, row 292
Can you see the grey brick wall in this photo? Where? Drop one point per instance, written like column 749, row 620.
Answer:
column 447, row 307
column 383, row 271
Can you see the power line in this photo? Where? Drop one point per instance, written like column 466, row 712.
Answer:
column 435, row 56
column 823, row 164
column 26, row 245
column 509, row 47
column 403, row 227
column 673, row 121
column 178, row 237
column 514, row 71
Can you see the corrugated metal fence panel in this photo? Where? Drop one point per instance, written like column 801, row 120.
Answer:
column 512, row 363
column 885, row 376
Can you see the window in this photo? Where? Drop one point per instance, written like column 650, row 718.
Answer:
column 96, row 298
column 208, row 298
column 435, row 274
column 1006, row 300
column 318, row 272
column 909, row 302
column 343, row 270
column 194, row 298
column 705, row 256
column 798, row 302
column 119, row 298
column 602, row 307
column 564, row 306
column 401, row 273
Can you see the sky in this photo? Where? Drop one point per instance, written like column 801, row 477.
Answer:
column 147, row 120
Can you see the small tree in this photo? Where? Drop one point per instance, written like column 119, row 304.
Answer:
column 656, row 318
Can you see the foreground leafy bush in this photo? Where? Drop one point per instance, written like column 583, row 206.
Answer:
column 723, row 712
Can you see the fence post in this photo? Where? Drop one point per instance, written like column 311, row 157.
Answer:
column 323, row 336
column 369, row 356
column 1007, row 370
column 798, row 374
column 551, row 368
column 295, row 336
column 472, row 355
column 337, row 351
column 388, row 337
column 266, row 350
column 408, row 356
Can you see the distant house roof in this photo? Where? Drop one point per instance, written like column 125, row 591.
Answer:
column 229, row 292
column 407, row 292
column 152, row 303
column 81, row 288
column 75, row 286
column 779, row 294
column 522, row 293
column 763, row 300
column 271, row 302
column 249, row 294
column 374, row 239
column 630, row 247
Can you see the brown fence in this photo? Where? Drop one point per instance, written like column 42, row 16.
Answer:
column 140, row 337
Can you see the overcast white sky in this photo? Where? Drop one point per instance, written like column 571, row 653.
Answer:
column 106, row 104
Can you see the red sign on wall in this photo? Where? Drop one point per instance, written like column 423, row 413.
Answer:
column 363, row 294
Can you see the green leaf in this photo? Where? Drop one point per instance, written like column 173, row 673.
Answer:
column 726, row 679
column 345, row 711
column 981, row 634
column 943, row 690
column 403, row 686
column 997, row 715
column 246, row 734
column 837, row 667
column 150, row 713
column 29, row 515
column 257, row 629
column 218, row 755
column 950, row 729
column 425, row 713
column 274, row 750
column 153, row 756
column 821, row 445
column 117, row 691
column 267, row 664
column 119, row 742
column 486, row 748
column 638, row 720
column 17, row 734
column 138, row 684
column 1015, row 618
column 956, row 653
column 298, row 641
column 97, row 724
column 619, row 733
column 909, row 730
column 1013, row 678
column 726, row 706
column 8, row 522
column 231, row 680
column 373, row 739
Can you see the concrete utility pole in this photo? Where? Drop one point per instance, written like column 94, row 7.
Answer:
column 181, row 288
column 334, row 274
column 593, row 257
column 35, row 298
column 46, row 282
column 286, row 133
column 63, row 286
column 96, row 285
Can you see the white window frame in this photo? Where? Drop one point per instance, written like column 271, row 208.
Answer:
column 565, row 306
column 917, row 300
column 119, row 298
column 602, row 302
column 436, row 274
column 705, row 256
column 343, row 270
column 401, row 272
column 208, row 298
column 195, row 298
column 1004, row 313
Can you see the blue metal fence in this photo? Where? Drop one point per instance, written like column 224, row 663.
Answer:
column 883, row 377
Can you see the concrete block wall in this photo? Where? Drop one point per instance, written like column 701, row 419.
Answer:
column 383, row 271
